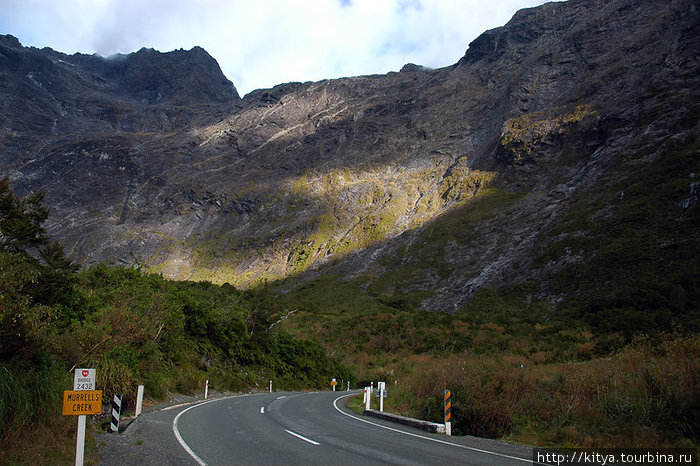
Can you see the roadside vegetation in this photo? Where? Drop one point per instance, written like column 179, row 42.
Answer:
column 133, row 327
column 517, row 371
column 645, row 395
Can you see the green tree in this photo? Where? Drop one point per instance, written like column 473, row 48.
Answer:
column 21, row 233
column 36, row 276
column 20, row 220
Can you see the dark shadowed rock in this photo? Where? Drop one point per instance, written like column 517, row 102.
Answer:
column 181, row 77
column 412, row 68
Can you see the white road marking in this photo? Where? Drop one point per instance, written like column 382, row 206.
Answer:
column 335, row 405
column 262, row 410
column 182, row 441
column 179, row 438
column 301, row 437
column 280, row 397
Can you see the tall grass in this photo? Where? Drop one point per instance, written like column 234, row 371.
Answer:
column 31, row 428
column 646, row 395
column 29, row 394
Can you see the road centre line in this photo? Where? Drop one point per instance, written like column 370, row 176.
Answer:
column 335, row 405
column 301, row 437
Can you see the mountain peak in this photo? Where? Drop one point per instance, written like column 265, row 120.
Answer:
column 186, row 77
column 8, row 40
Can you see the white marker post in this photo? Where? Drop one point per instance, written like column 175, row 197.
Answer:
column 368, row 400
column 139, row 401
column 83, row 379
column 270, row 386
column 381, row 390
column 206, row 389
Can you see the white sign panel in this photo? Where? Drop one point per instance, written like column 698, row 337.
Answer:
column 84, row 379
column 381, row 389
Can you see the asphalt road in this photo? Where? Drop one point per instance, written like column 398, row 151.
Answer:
column 295, row 429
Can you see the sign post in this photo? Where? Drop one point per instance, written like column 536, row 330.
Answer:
column 381, row 393
column 81, row 401
column 333, row 383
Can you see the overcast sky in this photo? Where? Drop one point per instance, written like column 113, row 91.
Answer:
column 261, row 43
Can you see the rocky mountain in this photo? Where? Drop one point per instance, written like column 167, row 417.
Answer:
column 559, row 156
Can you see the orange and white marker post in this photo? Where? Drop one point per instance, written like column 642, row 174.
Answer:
column 448, row 412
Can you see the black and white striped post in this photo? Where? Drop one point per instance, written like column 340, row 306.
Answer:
column 448, row 412
column 116, row 412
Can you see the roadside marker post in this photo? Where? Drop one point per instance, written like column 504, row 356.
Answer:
column 206, row 389
column 448, row 412
column 333, row 383
column 270, row 386
column 116, row 413
column 139, row 401
column 368, row 397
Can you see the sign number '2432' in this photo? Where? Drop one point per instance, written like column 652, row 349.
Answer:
column 84, row 379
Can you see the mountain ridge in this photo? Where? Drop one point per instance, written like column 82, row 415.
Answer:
column 375, row 178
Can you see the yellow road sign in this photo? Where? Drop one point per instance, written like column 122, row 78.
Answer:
column 76, row 402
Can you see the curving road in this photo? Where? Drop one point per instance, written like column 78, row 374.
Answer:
column 299, row 429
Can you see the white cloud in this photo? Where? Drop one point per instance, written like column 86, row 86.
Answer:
column 260, row 43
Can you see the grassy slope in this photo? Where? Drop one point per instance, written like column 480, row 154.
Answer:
column 572, row 374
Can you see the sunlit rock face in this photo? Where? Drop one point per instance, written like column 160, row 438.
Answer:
column 423, row 183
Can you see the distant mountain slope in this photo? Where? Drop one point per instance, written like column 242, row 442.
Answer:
column 560, row 152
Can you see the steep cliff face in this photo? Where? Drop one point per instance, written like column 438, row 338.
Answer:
column 423, row 184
